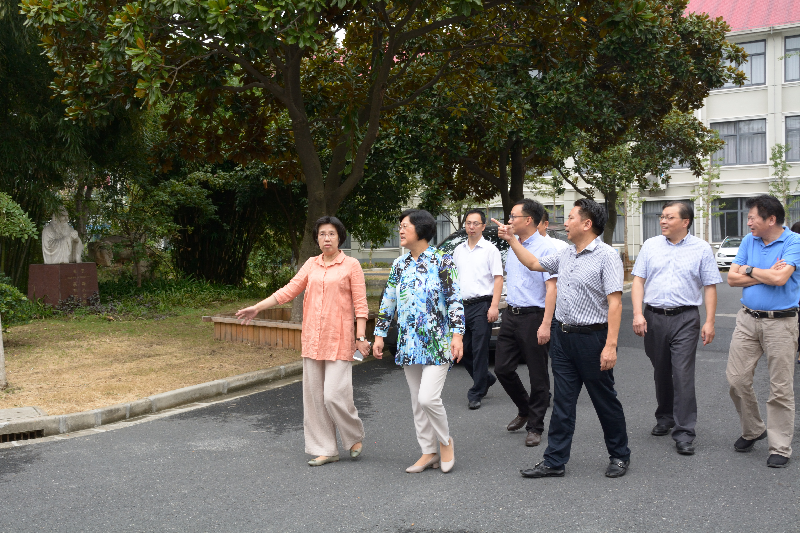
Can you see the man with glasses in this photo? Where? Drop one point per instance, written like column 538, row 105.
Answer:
column 766, row 269
column 480, row 276
column 525, row 331
column 673, row 273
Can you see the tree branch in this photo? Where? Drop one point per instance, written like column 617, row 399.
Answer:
column 574, row 185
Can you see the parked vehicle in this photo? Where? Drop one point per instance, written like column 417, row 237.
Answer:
column 727, row 250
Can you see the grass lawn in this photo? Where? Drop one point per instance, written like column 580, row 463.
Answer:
column 70, row 364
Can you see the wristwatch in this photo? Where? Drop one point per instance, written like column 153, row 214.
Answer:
column 749, row 271
column 361, row 339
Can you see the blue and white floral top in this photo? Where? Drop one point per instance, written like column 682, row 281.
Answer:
column 426, row 296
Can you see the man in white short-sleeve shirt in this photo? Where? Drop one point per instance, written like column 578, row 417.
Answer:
column 542, row 229
column 480, row 277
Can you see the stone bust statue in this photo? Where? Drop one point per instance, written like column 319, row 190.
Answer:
column 60, row 243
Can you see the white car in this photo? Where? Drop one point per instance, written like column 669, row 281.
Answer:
column 727, row 251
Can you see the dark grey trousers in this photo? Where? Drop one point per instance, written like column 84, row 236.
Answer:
column 671, row 345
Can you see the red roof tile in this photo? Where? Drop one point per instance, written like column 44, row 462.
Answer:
column 749, row 14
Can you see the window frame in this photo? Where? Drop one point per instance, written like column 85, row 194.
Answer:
column 786, row 52
column 718, row 157
column 749, row 59
column 742, row 211
column 796, row 149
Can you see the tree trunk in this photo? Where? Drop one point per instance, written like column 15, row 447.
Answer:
column 516, row 189
column 611, row 208
column 626, row 259
column 83, row 198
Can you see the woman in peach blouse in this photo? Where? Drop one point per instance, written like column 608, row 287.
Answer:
column 335, row 293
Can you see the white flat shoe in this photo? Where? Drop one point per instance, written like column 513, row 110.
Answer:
column 433, row 463
column 448, row 465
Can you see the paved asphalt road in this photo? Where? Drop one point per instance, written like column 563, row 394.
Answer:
column 239, row 466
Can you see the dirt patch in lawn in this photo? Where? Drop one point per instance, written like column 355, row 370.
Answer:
column 65, row 366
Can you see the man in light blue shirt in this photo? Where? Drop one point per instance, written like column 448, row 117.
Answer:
column 525, row 331
column 766, row 269
column 672, row 273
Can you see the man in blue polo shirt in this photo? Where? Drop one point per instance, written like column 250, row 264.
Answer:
column 766, row 269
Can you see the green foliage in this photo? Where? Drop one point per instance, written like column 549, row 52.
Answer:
column 14, row 222
column 15, row 308
column 779, row 185
column 705, row 193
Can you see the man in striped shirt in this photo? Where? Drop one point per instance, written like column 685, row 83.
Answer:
column 583, row 348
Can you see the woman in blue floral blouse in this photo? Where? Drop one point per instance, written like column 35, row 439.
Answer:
column 423, row 288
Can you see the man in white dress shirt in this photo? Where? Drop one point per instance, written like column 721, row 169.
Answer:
column 542, row 229
column 480, row 277
column 672, row 274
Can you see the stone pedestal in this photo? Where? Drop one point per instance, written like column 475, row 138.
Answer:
column 58, row 282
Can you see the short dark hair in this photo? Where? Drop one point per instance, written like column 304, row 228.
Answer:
column 545, row 216
column 423, row 222
column 684, row 210
column 336, row 223
column 796, row 227
column 594, row 212
column 478, row 211
column 533, row 209
column 767, row 206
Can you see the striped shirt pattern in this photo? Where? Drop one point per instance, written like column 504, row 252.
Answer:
column 675, row 274
column 584, row 281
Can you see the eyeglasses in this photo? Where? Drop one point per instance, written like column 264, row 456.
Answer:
column 473, row 224
column 404, row 226
column 322, row 235
column 512, row 217
column 668, row 219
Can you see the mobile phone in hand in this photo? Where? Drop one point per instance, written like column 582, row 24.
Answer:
column 358, row 356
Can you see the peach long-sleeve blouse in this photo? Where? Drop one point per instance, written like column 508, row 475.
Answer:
column 335, row 295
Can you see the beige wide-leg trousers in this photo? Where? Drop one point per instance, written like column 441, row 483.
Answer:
column 327, row 405
column 425, row 382
column 777, row 338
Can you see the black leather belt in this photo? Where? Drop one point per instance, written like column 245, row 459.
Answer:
column 784, row 313
column 589, row 328
column 477, row 299
column 525, row 310
column 670, row 311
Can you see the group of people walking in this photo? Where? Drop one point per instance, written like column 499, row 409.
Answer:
column 563, row 314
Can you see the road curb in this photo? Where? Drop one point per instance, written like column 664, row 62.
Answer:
column 58, row 424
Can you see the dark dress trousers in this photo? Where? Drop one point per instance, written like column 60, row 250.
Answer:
column 518, row 344
column 476, row 349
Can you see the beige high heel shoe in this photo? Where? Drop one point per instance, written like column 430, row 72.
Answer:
column 448, row 465
column 433, row 463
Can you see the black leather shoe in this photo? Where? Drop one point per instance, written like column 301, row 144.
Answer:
column 517, row 423
column 777, row 461
column 745, row 445
column 542, row 470
column 685, row 448
column 659, row 430
column 474, row 404
column 533, row 439
column 617, row 468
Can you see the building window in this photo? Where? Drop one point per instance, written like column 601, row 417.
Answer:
column 392, row 242
column 651, row 218
column 792, row 211
column 619, row 229
column 556, row 213
column 443, row 229
column 793, row 138
column 729, row 218
column 745, row 142
column 348, row 243
column 792, row 58
column 755, row 66
column 496, row 213
column 676, row 165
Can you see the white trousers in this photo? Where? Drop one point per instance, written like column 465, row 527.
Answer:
column 425, row 382
column 327, row 405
